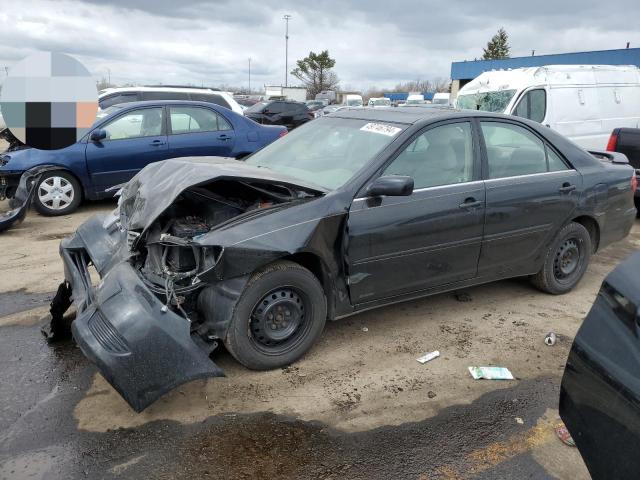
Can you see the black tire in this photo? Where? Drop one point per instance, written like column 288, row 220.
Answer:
column 260, row 342
column 566, row 260
column 64, row 204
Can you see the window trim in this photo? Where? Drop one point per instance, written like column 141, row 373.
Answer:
column 521, row 99
column 483, row 147
column 170, row 126
column 163, row 126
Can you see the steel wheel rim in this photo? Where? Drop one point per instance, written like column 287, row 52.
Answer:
column 567, row 260
column 280, row 320
column 56, row 193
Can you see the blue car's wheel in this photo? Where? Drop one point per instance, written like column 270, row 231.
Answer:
column 57, row 193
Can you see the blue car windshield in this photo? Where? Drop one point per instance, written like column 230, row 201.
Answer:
column 328, row 151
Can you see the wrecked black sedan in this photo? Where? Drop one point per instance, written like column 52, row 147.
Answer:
column 354, row 210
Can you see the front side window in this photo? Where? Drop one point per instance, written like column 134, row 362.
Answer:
column 440, row 156
column 532, row 105
column 513, row 151
column 195, row 119
column 145, row 122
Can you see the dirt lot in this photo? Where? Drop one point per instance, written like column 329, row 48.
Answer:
column 358, row 405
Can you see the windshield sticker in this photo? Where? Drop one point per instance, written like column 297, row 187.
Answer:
column 381, row 128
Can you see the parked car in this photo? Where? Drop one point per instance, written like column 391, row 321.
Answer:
column 358, row 209
column 583, row 102
column 600, row 391
column 125, row 138
column 413, row 99
column 315, row 106
column 330, row 109
column 378, row 102
column 115, row 96
column 441, row 98
column 280, row 112
column 627, row 141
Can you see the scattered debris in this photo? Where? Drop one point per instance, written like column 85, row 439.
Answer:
column 59, row 329
column 428, row 356
column 550, row 339
column 431, row 394
column 564, row 435
column 519, row 421
column 365, row 329
column 462, row 297
column 490, row 373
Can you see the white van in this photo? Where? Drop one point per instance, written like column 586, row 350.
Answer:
column 441, row 98
column 414, row 99
column 352, row 100
column 582, row 102
column 377, row 102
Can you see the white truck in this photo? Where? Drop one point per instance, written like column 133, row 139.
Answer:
column 278, row 92
column 582, row 102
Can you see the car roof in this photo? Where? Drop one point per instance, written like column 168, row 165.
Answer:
column 108, row 91
column 146, row 103
column 410, row 114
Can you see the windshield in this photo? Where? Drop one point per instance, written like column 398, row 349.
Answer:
column 328, row 151
column 354, row 102
column 257, row 108
column 380, row 102
column 486, row 101
column 440, row 101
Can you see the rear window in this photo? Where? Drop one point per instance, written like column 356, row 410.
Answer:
column 211, row 98
column 118, row 98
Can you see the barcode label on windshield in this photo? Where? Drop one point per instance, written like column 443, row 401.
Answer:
column 381, row 128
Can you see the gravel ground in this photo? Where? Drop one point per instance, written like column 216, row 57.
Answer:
column 357, row 406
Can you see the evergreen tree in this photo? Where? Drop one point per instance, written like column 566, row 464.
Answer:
column 315, row 73
column 497, row 47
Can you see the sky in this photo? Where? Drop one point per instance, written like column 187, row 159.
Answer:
column 375, row 43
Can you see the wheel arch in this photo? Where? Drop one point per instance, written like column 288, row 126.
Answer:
column 61, row 168
column 592, row 226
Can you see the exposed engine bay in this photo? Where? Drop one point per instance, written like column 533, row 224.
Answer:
column 171, row 262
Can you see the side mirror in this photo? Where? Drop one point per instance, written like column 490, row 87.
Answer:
column 391, row 186
column 97, row 135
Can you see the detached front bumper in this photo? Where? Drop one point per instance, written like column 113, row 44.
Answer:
column 142, row 350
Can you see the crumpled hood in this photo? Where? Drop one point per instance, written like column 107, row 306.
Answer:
column 157, row 186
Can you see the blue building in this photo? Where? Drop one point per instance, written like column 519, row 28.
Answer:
column 465, row 71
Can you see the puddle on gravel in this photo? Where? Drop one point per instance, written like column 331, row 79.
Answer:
column 21, row 300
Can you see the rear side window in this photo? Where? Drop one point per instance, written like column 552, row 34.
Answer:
column 532, row 105
column 195, row 119
column 513, row 151
column 211, row 98
column 118, row 98
column 170, row 95
column 276, row 107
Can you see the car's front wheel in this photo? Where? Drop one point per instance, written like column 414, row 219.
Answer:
column 566, row 260
column 277, row 319
column 57, row 193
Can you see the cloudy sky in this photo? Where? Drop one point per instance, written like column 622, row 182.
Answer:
column 375, row 43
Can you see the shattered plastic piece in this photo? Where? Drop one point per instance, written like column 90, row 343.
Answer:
column 428, row 356
column 564, row 435
column 550, row 339
column 365, row 329
column 519, row 421
column 490, row 373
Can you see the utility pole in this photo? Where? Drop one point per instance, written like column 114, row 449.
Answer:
column 249, row 75
column 286, row 49
column 108, row 77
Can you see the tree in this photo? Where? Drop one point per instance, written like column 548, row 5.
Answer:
column 314, row 71
column 497, row 47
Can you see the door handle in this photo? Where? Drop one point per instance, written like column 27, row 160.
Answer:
column 224, row 137
column 566, row 188
column 157, row 143
column 471, row 203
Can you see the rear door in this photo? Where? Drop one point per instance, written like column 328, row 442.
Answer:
column 400, row 245
column 531, row 193
column 134, row 139
column 600, row 392
column 196, row 131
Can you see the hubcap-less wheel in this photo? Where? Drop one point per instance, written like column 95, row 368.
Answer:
column 56, row 193
column 567, row 259
column 278, row 320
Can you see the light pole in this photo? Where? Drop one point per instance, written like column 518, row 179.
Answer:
column 249, row 75
column 286, row 49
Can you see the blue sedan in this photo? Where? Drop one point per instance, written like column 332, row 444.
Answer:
column 126, row 138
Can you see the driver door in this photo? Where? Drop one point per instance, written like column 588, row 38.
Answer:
column 400, row 245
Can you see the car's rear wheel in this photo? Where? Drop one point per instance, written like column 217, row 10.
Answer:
column 566, row 260
column 57, row 193
column 277, row 319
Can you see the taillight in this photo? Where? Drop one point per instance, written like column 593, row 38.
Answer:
column 634, row 183
column 612, row 143
column 283, row 133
